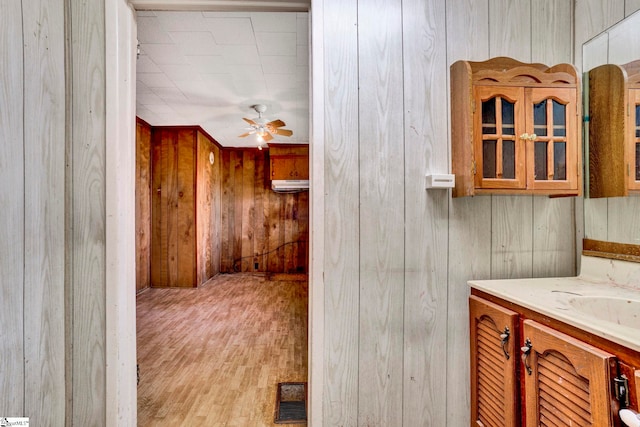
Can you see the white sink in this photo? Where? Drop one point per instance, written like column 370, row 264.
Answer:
column 621, row 311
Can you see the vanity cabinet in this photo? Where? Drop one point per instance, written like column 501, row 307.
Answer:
column 614, row 130
column 529, row 370
column 515, row 128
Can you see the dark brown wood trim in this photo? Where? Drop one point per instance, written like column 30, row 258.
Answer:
column 611, row 250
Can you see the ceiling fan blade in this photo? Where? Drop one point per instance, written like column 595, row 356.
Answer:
column 267, row 137
column 245, row 134
column 283, row 132
column 276, row 123
column 251, row 122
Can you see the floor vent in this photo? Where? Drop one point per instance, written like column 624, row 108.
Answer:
column 291, row 403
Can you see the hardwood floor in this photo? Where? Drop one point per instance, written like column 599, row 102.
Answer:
column 213, row 356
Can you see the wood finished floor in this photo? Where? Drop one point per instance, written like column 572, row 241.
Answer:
column 213, row 356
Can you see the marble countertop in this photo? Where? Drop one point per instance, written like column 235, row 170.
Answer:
column 604, row 299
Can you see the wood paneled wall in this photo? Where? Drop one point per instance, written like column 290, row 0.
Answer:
column 260, row 230
column 397, row 257
column 393, row 78
column 32, row 219
column 184, row 205
column 143, row 205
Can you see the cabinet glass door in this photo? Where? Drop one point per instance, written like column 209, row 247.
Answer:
column 499, row 119
column 551, row 153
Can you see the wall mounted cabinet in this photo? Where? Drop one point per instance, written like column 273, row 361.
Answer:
column 614, row 130
column 515, row 128
column 288, row 161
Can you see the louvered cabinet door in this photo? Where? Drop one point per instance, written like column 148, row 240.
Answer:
column 568, row 383
column 493, row 364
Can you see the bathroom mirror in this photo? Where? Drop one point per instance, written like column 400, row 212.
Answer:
column 613, row 219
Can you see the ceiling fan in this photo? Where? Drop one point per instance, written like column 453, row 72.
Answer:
column 263, row 127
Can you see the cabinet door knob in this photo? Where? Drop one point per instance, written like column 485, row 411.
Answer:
column 531, row 137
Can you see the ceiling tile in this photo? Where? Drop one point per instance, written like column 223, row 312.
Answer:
column 182, row 21
column 167, row 53
column 278, row 64
column 209, row 68
column 279, row 44
column 241, row 55
column 176, row 72
column 146, row 65
column 153, row 80
column 150, row 30
column 246, row 72
column 195, row 42
column 208, row 63
column 160, row 109
column 221, row 14
column 170, row 95
column 274, row 22
column 148, row 98
column 231, row 30
column 302, row 55
column 302, row 30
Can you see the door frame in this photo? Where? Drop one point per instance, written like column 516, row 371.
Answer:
column 120, row 301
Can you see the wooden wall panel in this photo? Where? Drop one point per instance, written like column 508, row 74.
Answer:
column 341, row 213
column 248, row 193
column 381, row 166
column 426, row 245
column 237, row 170
column 554, row 219
column 260, row 226
column 469, row 224
column 44, row 239
column 226, row 195
column 186, row 203
column 87, row 247
column 205, row 209
column 511, row 215
column 217, row 210
column 12, row 215
column 185, row 189
column 143, row 205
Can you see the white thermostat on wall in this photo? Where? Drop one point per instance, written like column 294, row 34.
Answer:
column 211, row 159
column 442, row 180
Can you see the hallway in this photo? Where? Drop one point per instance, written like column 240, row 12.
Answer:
column 213, row 356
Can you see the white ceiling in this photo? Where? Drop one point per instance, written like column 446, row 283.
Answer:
column 209, row 68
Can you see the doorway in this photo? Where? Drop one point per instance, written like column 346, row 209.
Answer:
column 316, row 237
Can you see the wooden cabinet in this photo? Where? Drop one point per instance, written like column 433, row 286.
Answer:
column 566, row 380
column 529, row 370
column 288, row 161
column 614, row 130
column 494, row 389
column 515, row 128
column 182, row 219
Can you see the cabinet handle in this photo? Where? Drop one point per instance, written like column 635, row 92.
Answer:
column 530, row 137
column 526, row 350
column 504, row 340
